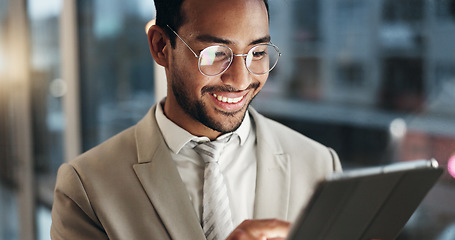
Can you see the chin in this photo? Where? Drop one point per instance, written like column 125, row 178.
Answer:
column 229, row 123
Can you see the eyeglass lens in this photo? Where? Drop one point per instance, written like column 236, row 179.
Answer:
column 260, row 59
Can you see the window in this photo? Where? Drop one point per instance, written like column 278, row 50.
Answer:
column 47, row 90
column 402, row 85
column 116, row 66
column 350, row 75
column 442, row 90
column 357, row 69
column 47, row 86
column 445, row 10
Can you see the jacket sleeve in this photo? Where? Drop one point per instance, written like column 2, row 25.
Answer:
column 336, row 161
column 72, row 213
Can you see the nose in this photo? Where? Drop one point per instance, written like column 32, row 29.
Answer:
column 237, row 75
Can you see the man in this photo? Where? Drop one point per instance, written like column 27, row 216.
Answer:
column 148, row 181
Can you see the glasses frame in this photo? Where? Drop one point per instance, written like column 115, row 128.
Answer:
column 233, row 54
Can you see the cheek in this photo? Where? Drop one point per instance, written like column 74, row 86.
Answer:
column 261, row 79
column 189, row 82
column 183, row 62
column 183, row 58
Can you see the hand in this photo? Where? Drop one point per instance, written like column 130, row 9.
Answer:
column 262, row 229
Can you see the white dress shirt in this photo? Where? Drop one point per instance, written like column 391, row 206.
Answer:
column 237, row 163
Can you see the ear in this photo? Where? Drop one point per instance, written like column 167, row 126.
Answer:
column 158, row 44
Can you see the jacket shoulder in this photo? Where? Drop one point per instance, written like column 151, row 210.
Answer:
column 117, row 149
column 284, row 134
column 300, row 147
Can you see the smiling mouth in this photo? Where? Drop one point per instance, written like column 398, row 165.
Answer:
column 227, row 100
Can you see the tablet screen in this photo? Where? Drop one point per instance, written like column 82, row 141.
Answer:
column 369, row 203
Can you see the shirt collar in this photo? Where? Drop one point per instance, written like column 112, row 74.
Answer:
column 176, row 137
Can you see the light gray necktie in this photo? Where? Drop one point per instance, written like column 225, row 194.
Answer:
column 216, row 212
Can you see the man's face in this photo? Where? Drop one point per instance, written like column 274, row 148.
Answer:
column 193, row 99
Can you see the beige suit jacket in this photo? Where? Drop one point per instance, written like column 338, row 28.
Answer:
column 129, row 187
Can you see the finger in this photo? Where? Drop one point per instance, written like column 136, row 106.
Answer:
column 271, row 228
column 261, row 229
column 241, row 234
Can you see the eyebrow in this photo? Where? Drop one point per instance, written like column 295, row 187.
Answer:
column 213, row 39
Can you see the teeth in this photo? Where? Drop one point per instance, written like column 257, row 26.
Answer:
column 228, row 100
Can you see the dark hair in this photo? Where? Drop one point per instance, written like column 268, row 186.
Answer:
column 169, row 12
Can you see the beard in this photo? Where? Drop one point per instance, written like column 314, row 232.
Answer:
column 198, row 110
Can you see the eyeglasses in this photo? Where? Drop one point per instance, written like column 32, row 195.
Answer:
column 215, row 60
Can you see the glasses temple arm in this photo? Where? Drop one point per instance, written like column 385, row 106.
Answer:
column 183, row 41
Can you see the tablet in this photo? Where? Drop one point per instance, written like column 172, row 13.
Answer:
column 364, row 204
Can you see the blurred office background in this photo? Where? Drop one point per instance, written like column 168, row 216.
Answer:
column 373, row 79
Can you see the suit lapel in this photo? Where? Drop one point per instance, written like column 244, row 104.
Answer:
column 273, row 174
column 161, row 181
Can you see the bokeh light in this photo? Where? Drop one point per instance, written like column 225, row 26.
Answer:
column 398, row 128
column 451, row 166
